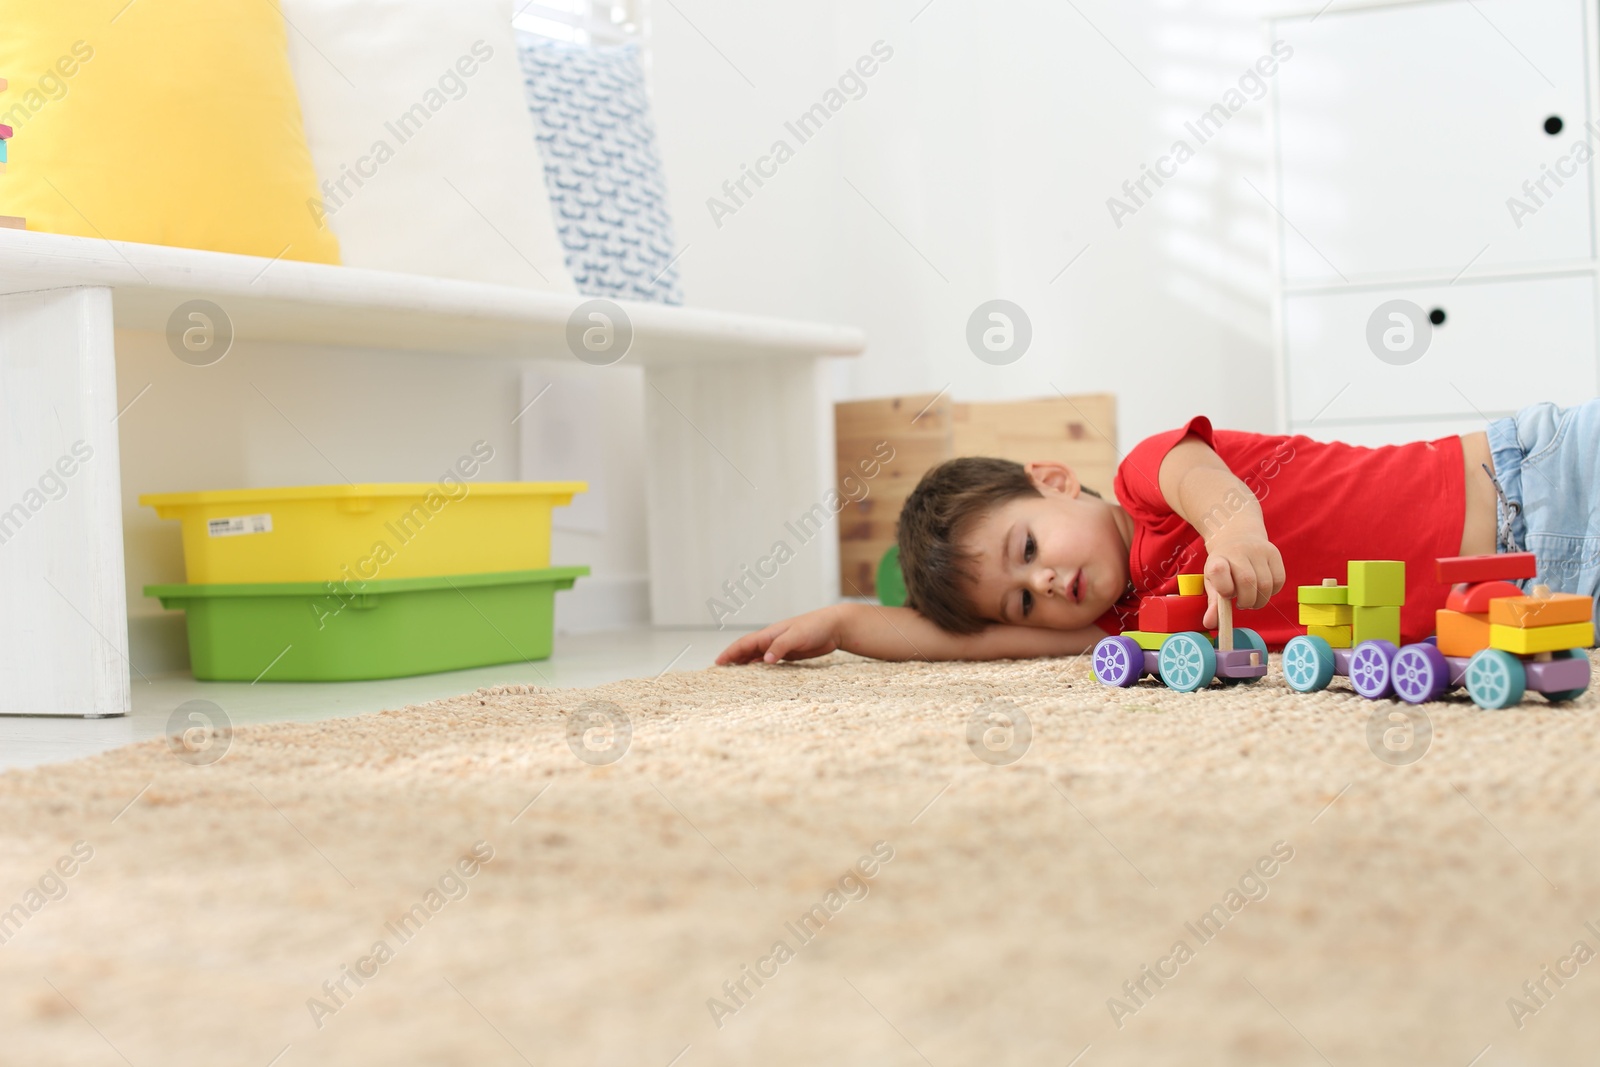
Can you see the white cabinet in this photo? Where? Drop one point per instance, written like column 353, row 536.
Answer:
column 1403, row 130
column 1401, row 133
column 1475, row 360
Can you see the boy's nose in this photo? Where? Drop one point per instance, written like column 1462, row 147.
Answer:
column 1044, row 581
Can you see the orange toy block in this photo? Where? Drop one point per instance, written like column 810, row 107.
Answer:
column 1527, row 612
column 1172, row 614
column 11, row 222
column 1461, row 634
column 1474, row 598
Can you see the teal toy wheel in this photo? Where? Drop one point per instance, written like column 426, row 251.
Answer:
column 1188, row 662
column 1250, row 641
column 1495, row 679
column 891, row 580
column 1308, row 664
column 1561, row 696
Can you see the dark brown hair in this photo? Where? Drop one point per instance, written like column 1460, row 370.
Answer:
column 937, row 514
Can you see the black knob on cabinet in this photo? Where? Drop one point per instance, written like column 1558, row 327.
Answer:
column 1436, row 316
column 1553, row 125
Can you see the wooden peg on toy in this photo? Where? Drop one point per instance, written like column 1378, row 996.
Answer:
column 1224, row 624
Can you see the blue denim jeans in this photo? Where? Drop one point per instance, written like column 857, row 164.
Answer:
column 1547, row 460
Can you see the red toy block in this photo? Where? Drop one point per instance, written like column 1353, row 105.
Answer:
column 1172, row 614
column 5, row 132
column 1506, row 566
column 1473, row 599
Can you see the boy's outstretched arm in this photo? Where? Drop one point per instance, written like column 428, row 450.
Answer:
column 1242, row 563
column 899, row 634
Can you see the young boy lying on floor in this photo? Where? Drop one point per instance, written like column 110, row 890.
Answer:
column 1005, row 561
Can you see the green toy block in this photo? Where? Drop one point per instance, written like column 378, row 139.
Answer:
column 1324, row 594
column 1150, row 642
column 1375, row 623
column 1377, row 583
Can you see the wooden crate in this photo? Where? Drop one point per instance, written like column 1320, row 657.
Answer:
column 926, row 430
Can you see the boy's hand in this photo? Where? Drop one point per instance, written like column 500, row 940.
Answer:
column 1246, row 569
column 816, row 633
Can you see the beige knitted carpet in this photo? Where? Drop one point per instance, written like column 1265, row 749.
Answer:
column 305, row 900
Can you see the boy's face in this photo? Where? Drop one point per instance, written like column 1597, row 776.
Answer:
column 1058, row 561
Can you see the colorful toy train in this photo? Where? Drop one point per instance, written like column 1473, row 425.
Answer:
column 1171, row 644
column 1492, row 638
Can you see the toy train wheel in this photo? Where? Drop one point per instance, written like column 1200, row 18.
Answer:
column 1308, row 664
column 1419, row 674
column 1371, row 669
column 1495, row 679
column 1250, row 641
column 1188, row 662
column 1118, row 661
column 1561, row 696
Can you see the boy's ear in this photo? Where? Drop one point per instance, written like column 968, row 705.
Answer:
column 1056, row 477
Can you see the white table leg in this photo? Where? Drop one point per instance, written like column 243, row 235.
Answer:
column 740, row 459
column 64, row 615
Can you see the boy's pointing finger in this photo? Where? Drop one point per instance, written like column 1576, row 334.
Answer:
column 1219, row 577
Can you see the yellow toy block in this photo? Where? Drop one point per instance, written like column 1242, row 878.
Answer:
column 1336, row 636
column 1377, row 583
column 1375, row 623
column 1191, row 584
column 1150, row 642
column 1526, row 642
column 1324, row 615
column 1329, row 592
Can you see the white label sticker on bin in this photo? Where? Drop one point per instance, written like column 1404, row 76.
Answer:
column 236, row 527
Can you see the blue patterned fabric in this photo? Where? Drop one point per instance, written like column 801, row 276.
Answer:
column 592, row 117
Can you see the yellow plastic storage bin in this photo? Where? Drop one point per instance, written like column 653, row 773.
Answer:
column 317, row 533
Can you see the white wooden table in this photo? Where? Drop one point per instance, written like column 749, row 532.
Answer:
column 739, row 429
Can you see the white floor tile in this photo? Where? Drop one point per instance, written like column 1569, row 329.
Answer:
column 578, row 661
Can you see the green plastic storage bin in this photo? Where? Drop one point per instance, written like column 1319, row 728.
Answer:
column 385, row 628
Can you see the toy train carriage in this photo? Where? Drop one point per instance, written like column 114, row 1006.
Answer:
column 1172, row 644
column 1491, row 638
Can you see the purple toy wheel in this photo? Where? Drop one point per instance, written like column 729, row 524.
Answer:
column 1118, row 661
column 1420, row 673
column 1370, row 673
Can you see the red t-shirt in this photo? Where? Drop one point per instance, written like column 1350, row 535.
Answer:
column 1324, row 504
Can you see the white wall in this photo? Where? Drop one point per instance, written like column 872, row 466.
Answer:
column 991, row 141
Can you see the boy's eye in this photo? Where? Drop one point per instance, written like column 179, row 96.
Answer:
column 1027, row 603
column 1028, row 549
